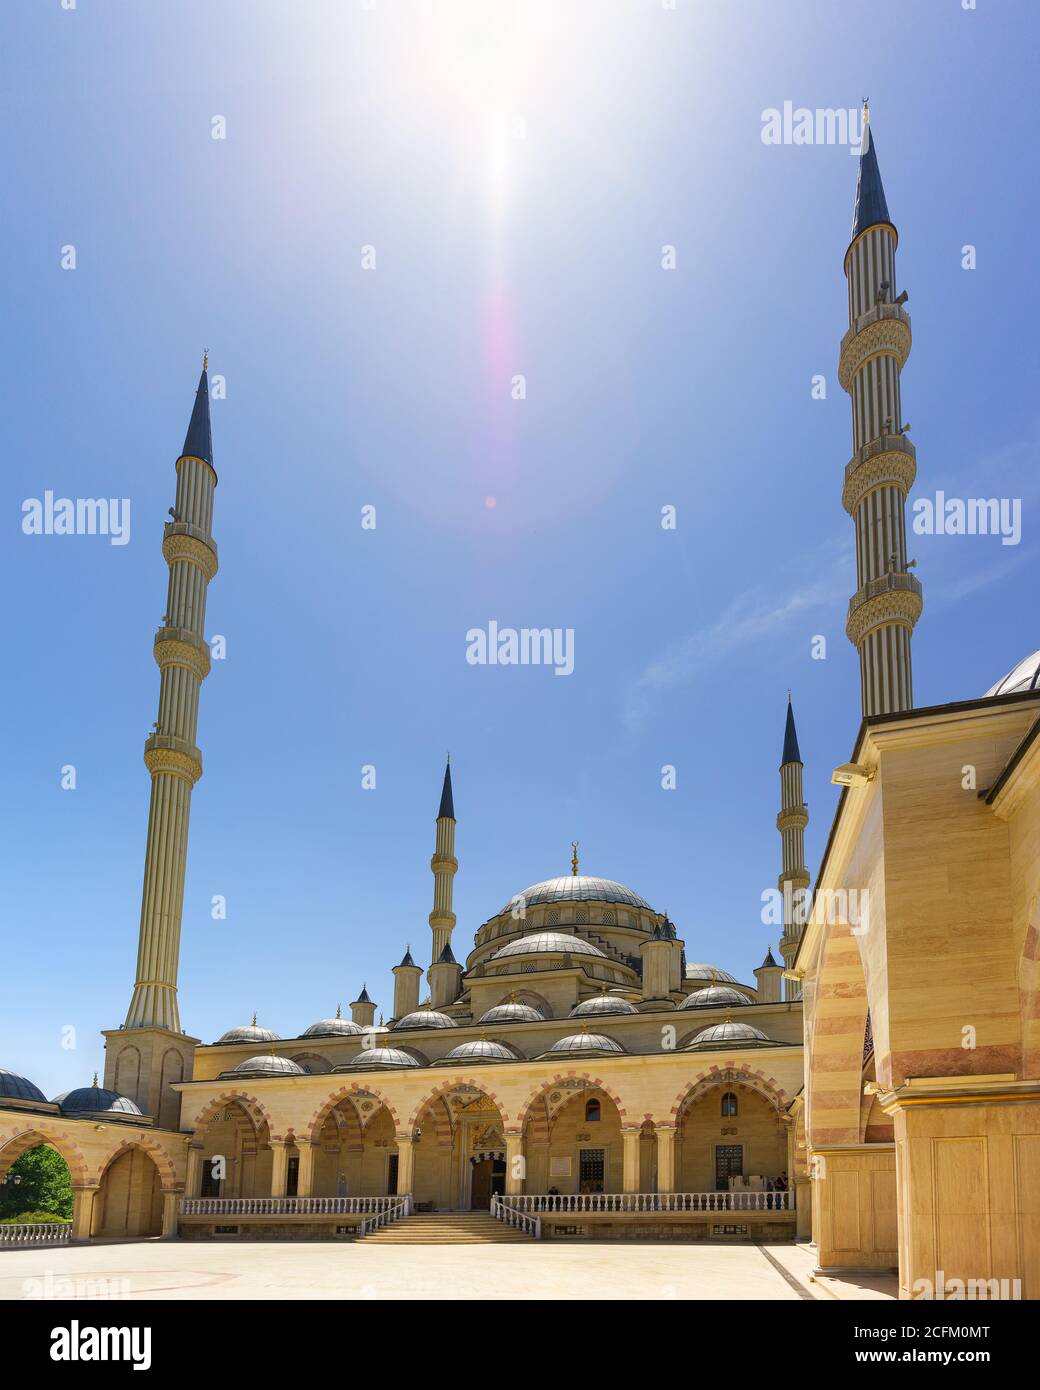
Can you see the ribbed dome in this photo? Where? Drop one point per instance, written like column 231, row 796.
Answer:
column 727, row 1034
column 586, row 1042
column 249, row 1032
column 578, row 888
column 95, row 1100
column 266, row 1065
column 481, row 1050
column 603, row 1004
column 374, row 1058
column 700, row 971
column 512, row 1013
column 425, row 1018
column 15, row 1087
column 715, row 997
column 548, row 943
column 332, row 1028
column 1024, row 676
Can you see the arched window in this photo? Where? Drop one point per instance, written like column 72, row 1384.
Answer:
column 592, row 1111
column 729, row 1104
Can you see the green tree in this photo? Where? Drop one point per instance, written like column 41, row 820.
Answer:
column 44, row 1184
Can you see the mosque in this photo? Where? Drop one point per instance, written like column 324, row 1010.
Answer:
column 875, row 1091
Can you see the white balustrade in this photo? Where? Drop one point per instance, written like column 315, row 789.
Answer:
column 402, row 1206
column 502, row 1210
column 578, row 1202
column 284, row 1206
column 35, row 1233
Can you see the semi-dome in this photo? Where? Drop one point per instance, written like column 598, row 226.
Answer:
column 481, row 1050
column 95, row 1100
column 15, row 1087
column 729, row 1034
column 548, row 943
column 715, row 997
column 702, row 971
column 1024, row 676
column 579, row 888
column 266, row 1065
column 249, row 1032
column 332, row 1028
column 425, row 1018
column 512, row 1013
column 586, row 1043
column 601, row 1004
column 380, row 1058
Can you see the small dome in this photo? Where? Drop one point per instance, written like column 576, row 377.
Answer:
column 15, row 1087
column 548, row 943
column 1024, row 676
column 266, row 1066
column 728, row 1034
column 481, row 1050
column 332, row 1028
column 375, row 1058
column 425, row 1018
column 601, row 1004
column 586, row 1042
column 714, row 997
column 512, row 1013
column 701, row 971
column 95, row 1100
column 249, row 1032
column 578, row 888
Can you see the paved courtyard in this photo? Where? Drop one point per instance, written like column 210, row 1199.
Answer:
column 157, row 1269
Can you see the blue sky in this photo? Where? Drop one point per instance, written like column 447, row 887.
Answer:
column 501, row 248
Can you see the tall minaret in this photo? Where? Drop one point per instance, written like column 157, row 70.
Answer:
column 878, row 477
column 170, row 753
column 444, row 866
column 791, row 823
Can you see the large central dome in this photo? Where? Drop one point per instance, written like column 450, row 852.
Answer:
column 579, row 888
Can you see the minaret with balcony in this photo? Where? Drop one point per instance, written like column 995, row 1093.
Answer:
column 887, row 602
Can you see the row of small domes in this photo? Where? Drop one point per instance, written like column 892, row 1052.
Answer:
column 715, row 996
column 84, row 1100
column 490, row 1050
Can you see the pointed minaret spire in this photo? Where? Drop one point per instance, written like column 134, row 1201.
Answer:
column 198, row 442
column 871, row 206
column 447, row 806
column 170, row 754
column 444, row 866
column 791, row 753
column 791, row 823
column 887, row 602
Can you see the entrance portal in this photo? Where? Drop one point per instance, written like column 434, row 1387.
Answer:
column 487, row 1180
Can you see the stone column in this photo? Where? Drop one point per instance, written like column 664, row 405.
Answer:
column 279, row 1166
column 665, row 1157
column 630, row 1177
column 83, row 1211
column 305, row 1172
column 968, row 1154
column 855, row 1194
column 170, row 1202
column 516, row 1164
column 405, row 1164
column 193, row 1179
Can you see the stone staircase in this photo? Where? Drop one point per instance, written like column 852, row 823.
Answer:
column 447, row 1228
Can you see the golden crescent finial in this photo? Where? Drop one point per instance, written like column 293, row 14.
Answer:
column 574, row 858
column 205, row 360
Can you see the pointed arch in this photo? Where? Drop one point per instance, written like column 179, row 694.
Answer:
column 254, row 1108
column 728, row 1078
column 31, row 1138
column 164, row 1163
column 311, row 1129
column 561, row 1078
column 450, row 1085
